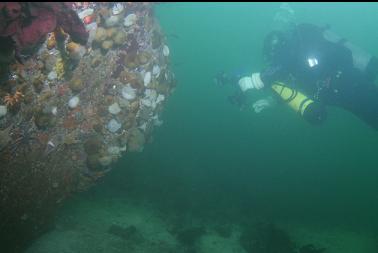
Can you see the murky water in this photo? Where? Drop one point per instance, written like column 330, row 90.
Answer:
column 213, row 163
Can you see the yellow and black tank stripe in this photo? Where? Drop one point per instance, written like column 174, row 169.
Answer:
column 300, row 103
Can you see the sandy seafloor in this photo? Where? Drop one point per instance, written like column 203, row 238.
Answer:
column 84, row 228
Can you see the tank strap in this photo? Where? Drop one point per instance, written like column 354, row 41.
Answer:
column 303, row 105
column 283, row 87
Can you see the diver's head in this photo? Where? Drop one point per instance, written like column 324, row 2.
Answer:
column 275, row 46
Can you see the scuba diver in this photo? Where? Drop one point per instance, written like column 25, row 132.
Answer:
column 310, row 68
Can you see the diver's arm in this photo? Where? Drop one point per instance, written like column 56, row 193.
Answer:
column 273, row 73
column 263, row 79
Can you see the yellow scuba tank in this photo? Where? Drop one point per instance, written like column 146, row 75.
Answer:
column 295, row 99
column 300, row 103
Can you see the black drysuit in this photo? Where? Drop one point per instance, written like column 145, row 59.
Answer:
column 325, row 72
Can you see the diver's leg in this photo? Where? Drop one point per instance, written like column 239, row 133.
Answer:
column 372, row 68
column 364, row 104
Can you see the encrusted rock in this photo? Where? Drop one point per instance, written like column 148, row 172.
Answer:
column 147, row 79
column 130, row 20
column 107, row 44
column 73, row 102
column 114, row 108
column 76, row 84
column 101, row 34
column 113, row 126
column 3, row 110
column 165, row 50
column 136, row 140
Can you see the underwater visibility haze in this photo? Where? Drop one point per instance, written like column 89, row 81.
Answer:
column 220, row 177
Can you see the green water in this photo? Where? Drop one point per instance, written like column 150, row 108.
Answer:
column 211, row 160
column 214, row 156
